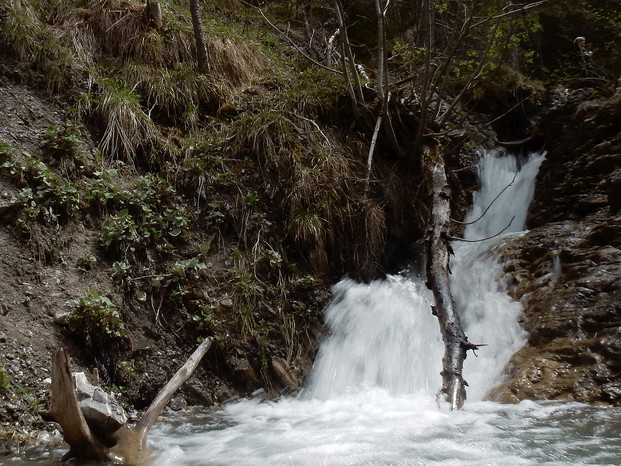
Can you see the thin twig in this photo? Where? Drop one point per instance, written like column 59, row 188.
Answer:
column 283, row 34
column 489, row 206
column 484, row 239
column 317, row 126
column 508, row 13
column 510, row 110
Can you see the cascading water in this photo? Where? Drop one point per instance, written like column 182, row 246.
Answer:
column 371, row 397
column 489, row 315
column 383, row 334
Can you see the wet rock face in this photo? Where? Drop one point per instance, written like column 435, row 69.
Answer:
column 566, row 270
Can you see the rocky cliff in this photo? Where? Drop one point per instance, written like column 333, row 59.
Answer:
column 566, row 270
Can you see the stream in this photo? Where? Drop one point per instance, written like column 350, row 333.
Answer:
column 370, row 399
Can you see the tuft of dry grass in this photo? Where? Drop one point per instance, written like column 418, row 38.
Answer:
column 20, row 29
column 233, row 61
column 126, row 124
column 375, row 227
column 176, row 93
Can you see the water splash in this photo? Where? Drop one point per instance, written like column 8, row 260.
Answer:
column 489, row 315
column 382, row 334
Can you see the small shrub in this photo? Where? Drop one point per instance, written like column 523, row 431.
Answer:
column 120, row 274
column 85, row 263
column 214, row 216
column 62, row 141
column 96, row 316
column 126, row 371
column 47, row 193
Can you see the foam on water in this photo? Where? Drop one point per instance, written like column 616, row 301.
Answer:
column 381, row 429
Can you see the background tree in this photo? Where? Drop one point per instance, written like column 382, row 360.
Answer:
column 201, row 46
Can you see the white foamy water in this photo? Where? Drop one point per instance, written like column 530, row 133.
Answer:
column 371, row 400
column 489, row 316
column 382, row 336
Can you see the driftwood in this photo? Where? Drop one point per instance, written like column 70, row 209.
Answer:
column 131, row 441
column 439, row 250
column 65, row 410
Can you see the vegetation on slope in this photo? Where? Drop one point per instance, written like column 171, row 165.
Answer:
column 219, row 204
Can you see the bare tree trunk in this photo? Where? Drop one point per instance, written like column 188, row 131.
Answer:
column 154, row 14
column 199, row 35
column 439, row 250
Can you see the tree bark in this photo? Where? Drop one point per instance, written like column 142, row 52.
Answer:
column 347, row 58
column 199, row 36
column 154, row 13
column 439, row 250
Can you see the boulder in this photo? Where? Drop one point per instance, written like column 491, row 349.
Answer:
column 102, row 412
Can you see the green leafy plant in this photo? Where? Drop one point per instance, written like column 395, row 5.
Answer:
column 205, row 318
column 47, row 197
column 251, row 199
column 103, row 191
column 96, row 315
column 150, row 216
column 85, row 263
column 126, row 370
column 214, row 215
column 62, row 140
column 120, row 273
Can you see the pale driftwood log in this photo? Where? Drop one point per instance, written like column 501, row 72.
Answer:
column 64, row 408
column 439, row 250
column 131, row 441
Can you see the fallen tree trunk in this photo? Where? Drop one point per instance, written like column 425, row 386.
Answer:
column 438, row 269
column 131, row 441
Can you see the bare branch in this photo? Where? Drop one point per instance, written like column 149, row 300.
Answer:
column 508, row 13
column 165, row 394
column 485, row 239
column 286, row 37
column 488, row 207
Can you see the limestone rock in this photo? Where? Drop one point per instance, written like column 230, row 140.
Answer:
column 102, row 412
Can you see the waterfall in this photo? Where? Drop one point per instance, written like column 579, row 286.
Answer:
column 383, row 335
column 371, row 397
column 489, row 316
